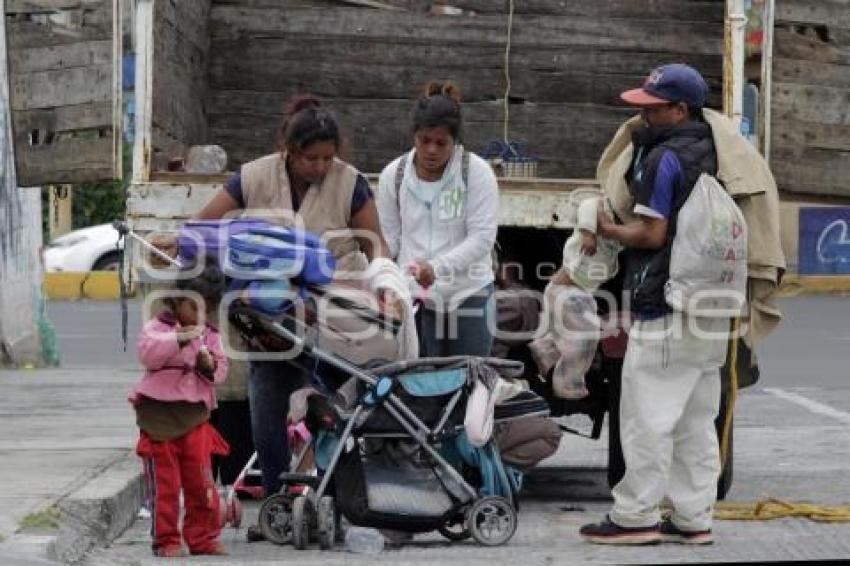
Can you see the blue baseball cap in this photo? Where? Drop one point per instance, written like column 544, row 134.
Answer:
column 670, row 83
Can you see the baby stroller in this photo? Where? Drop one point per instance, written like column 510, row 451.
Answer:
column 397, row 456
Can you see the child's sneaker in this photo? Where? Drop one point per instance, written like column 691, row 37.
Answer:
column 174, row 551
column 672, row 533
column 608, row 532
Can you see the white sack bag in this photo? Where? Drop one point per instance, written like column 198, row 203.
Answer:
column 708, row 259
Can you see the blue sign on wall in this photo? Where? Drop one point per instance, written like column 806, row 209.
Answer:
column 824, row 241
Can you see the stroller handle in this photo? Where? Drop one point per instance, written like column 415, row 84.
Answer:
column 124, row 230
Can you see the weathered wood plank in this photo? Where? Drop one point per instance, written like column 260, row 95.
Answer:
column 811, row 103
column 823, row 12
column 64, row 27
column 797, row 135
column 796, row 71
column 180, row 47
column 789, row 44
column 66, row 118
column 36, row 6
column 188, row 17
column 63, row 57
column 582, row 74
column 648, row 35
column 76, row 85
column 399, row 50
column 818, row 171
column 76, row 161
column 690, row 10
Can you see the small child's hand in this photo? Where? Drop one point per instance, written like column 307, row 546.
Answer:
column 588, row 243
column 186, row 334
column 205, row 363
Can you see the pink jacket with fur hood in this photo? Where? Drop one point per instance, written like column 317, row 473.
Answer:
column 171, row 374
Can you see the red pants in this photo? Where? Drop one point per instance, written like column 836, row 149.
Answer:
column 183, row 462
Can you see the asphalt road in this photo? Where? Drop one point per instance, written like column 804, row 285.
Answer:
column 811, row 347
column 88, row 333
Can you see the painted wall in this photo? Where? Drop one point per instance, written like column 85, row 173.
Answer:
column 824, row 244
column 812, row 236
column 20, row 245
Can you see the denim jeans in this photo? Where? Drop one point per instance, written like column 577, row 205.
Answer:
column 269, row 386
column 461, row 332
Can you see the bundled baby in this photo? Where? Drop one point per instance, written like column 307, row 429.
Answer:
column 569, row 333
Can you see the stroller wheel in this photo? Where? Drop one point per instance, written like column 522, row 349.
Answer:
column 301, row 522
column 326, row 523
column 275, row 519
column 455, row 530
column 491, row 521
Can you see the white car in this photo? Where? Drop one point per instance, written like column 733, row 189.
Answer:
column 86, row 249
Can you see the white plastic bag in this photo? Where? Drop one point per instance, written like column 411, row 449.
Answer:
column 708, row 260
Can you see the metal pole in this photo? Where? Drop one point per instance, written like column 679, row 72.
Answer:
column 767, row 76
column 734, row 78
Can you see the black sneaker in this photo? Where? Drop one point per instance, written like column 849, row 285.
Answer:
column 608, row 532
column 672, row 533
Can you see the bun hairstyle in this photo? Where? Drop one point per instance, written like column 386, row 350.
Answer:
column 439, row 106
column 447, row 89
column 300, row 102
column 305, row 122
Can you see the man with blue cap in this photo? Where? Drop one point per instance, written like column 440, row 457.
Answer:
column 671, row 371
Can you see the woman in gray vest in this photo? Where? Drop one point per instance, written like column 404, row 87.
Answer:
column 439, row 206
column 306, row 185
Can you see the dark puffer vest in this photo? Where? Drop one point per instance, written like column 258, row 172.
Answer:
column 647, row 271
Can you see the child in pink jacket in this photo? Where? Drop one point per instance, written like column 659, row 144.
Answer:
column 184, row 359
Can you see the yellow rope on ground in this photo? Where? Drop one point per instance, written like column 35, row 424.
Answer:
column 771, row 508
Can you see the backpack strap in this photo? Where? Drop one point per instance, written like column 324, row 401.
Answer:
column 399, row 175
column 464, row 169
column 402, row 164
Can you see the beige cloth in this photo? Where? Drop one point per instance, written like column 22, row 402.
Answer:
column 348, row 336
column 747, row 177
column 325, row 210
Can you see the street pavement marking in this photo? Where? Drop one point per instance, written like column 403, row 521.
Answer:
column 810, row 404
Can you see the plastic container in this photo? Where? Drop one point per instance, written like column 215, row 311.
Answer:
column 206, row 159
column 360, row 540
column 271, row 297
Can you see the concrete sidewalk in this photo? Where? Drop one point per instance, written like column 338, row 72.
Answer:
column 68, row 475
column 70, row 481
